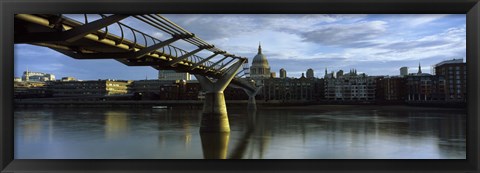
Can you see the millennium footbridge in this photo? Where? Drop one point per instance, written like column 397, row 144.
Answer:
column 91, row 39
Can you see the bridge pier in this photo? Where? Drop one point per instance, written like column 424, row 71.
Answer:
column 252, row 104
column 214, row 115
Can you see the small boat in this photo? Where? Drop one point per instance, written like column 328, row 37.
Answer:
column 159, row 107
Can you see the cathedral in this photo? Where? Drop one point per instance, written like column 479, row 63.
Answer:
column 260, row 68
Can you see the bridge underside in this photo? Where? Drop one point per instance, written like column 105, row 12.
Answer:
column 88, row 41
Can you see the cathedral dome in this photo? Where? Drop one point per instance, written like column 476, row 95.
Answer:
column 260, row 60
column 260, row 68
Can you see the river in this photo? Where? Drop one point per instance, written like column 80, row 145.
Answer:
column 281, row 133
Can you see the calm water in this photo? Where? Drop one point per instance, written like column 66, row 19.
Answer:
column 107, row 133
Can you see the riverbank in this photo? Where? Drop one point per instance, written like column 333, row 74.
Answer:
column 234, row 104
column 363, row 107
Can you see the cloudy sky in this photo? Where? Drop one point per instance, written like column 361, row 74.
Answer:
column 373, row 44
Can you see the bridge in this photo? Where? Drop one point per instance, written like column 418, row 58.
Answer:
column 94, row 38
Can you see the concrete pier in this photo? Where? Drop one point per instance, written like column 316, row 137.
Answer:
column 214, row 115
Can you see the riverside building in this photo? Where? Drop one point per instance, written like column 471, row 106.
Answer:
column 455, row 74
column 349, row 87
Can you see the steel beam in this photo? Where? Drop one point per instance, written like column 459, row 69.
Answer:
column 204, row 60
column 218, row 62
column 233, row 58
column 240, row 72
column 229, row 74
column 183, row 57
column 69, row 35
column 145, row 51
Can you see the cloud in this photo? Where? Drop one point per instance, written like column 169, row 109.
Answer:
column 414, row 20
column 211, row 27
column 375, row 44
column 357, row 34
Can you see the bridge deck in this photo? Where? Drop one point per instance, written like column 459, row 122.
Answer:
column 104, row 45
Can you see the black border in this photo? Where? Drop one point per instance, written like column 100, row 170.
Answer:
column 9, row 7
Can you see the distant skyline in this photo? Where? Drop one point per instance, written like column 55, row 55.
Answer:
column 372, row 44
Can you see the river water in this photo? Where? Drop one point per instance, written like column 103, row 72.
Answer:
column 286, row 133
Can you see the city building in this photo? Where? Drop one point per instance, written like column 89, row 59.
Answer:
column 339, row 73
column 329, row 75
column 310, row 74
column 283, row 73
column 292, row 89
column 30, row 89
column 37, row 76
column 88, row 88
column 165, row 89
column 424, row 87
column 403, row 71
column 419, row 69
column 177, row 90
column 171, row 75
column 260, row 68
column 455, row 74
column 390, row 89
column 68, row 79
column 273, row 75
column 350, row 87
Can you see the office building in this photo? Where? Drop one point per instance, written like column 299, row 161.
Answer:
column 283, row 73
column 403, row 71
column 88, row 88
column 291, row 90
column 310, row 74
column 171, row 75
column 390, row 89
column 37, row 76
column 455, row 74
column 350, row 87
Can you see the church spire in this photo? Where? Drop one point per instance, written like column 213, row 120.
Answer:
column 419, row 68
column 259, row 48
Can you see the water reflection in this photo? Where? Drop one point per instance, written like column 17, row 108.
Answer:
column 262, row 134
column 116, row 124
column 240, row 148
column 215, row 145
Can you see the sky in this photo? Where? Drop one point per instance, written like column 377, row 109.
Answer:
column 375, row 44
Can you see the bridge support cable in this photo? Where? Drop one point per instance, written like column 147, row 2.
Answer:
column 214, row 115
column 71, row 35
